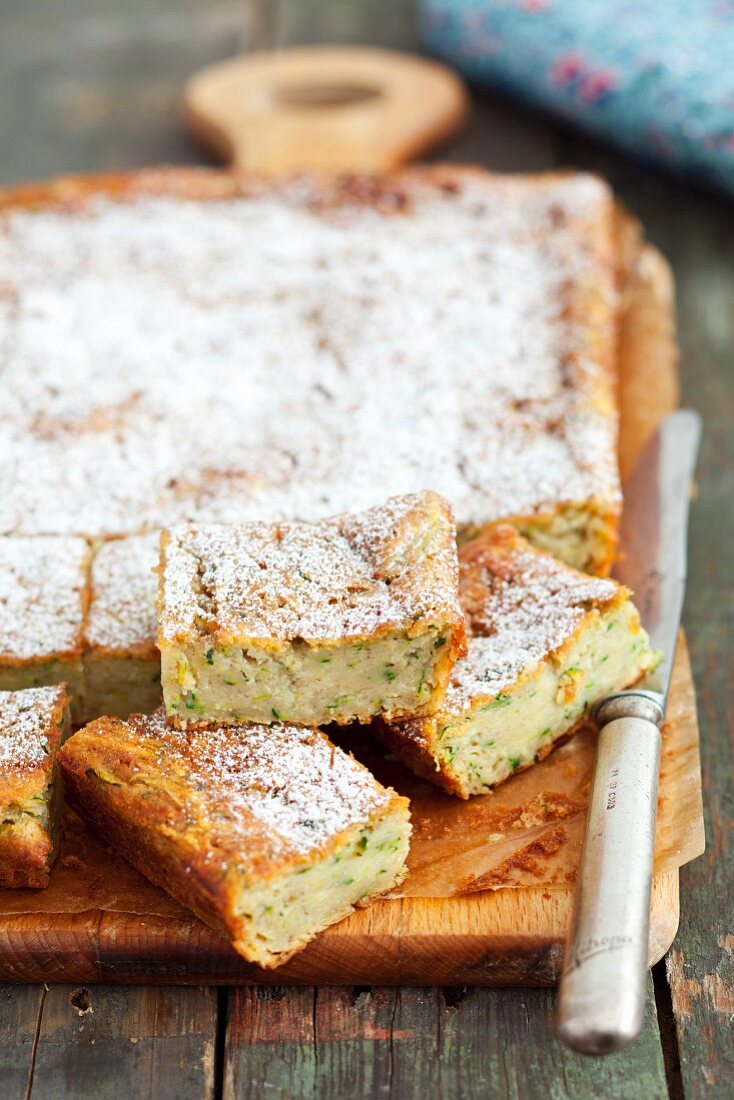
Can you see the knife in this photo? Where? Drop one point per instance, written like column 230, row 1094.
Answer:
column 604, row 982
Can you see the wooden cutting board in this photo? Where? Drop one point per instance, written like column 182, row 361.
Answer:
column 503, row 937
column 506, row 937
column 509, row 937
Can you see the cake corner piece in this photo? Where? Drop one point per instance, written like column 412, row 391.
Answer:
column 334, row 621
column 268, row 833
column 33, row 724
column 545, row 643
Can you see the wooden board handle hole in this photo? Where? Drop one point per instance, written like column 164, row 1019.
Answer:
column 323, row 95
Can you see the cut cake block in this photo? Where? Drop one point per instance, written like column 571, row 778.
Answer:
column 545, row 643
column 336, row 621
column 33, row 724
column 268, row 833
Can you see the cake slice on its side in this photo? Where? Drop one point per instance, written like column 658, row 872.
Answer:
column 33, row 724
column 43, row 598
column 334, row 621
column 122, row 667
column 545, row 643
column 268, row 833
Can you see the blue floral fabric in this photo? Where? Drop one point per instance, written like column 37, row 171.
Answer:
column 655, row 78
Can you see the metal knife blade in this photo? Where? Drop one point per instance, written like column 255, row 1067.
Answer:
column 602, row 995
column 653, row 537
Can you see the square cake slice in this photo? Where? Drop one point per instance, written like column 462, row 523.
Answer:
column 268, row 833
column 43, row 598
column 545, row 643
column 335, row 621
column 33, row 723
column 122, row 667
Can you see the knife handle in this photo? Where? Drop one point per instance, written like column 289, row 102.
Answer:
column 604, row 983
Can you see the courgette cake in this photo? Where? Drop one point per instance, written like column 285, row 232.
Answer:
column 334, row 621
column 122, row 667
column 190, row 345
column 545, row 642
column 268, row 833
column 44, row 586
column 33, row 724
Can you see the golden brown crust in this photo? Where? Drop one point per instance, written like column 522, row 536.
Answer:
column 115, row 819
column 391, row 192
column 187, row 810
column 500, row 557
column 522, row 605
column 32, row 724
column 25, row 860
column 415, row 743
column 143, row 651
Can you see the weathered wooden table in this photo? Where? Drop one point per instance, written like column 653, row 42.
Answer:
column 92, row 86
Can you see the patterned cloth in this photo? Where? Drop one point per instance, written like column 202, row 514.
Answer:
column 655, row 78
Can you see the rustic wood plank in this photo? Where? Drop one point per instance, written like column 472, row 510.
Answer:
column 111, row 1042
column 20, row 1011
column 503, row 138
column 98, row 86
column 304, row 1044
column 386, row 23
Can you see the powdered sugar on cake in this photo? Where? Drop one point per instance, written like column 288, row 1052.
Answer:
column 302, row 789
column 43, row 585
column 521, row 606
column 122, row 611
column 267, row 357
column 25, row 720
column 392, row 567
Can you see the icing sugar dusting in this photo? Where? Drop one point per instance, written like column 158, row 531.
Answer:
column 42, row 595
column 122, row 612
column 521, row 605
column 167, row 360
column 296, row 785
column 390, row 567
column 25, row 721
